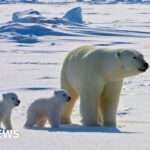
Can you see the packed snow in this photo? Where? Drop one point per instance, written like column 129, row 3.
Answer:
column 35, row 38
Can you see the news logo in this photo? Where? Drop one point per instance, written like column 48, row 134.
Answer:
column 8, row 134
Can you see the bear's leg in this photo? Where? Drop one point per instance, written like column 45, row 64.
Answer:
column 31, row 120
column 7, row 123
column 54, row 120
column 99, row 115
column 68, row 107
column 41, row 122
column 109, row 102
column 89, row 105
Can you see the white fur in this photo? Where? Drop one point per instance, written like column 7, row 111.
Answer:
column 10, row 100
column 96, row 75
column 45, row 109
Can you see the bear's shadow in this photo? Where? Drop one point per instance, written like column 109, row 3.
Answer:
column 79, row 128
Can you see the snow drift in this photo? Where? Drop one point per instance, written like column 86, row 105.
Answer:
column 27, row 16
column 73, row 16
column 27, row 26
column 31, row 29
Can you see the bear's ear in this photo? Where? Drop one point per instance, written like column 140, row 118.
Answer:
column 4, row 96
column 118, row 53
column 55, row 92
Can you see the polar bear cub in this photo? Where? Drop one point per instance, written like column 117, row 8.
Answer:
column 10, row 100
column 44, row 109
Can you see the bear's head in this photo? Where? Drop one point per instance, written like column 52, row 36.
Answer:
column 131, row 62
column 11, row 99
column 62, row 95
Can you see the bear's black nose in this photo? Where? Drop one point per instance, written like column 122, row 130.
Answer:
column 17, row 103
column 69, row 98
column 146, row 65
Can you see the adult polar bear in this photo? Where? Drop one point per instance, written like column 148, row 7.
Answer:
column 97, row 76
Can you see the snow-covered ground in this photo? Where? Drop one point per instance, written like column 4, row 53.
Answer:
column 31, row 56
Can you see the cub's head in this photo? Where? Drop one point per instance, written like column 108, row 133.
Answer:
column 131, row 62
column 11, row 99
column 62, row 95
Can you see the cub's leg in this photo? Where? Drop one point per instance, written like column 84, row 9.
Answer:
column 31, row 120
column 7, row 122
column 54, row 120
column 41, row 122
